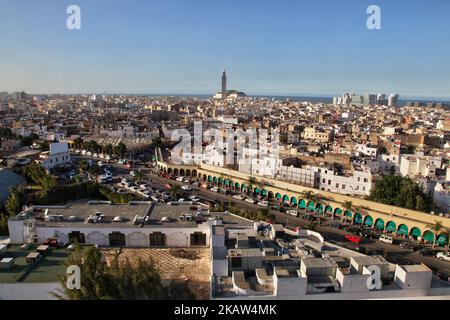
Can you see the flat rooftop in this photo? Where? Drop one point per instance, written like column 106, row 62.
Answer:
column 77, row 214
column 47, row 269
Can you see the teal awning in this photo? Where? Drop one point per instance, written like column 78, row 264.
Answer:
column 379, row 224
column 368, row 221
column 391, row 227
column 428, row 236
column 311, row 206
column 302, row 204
column 338, row 211
column 442, row 240
column 348, row 214
column 415, row 232
column 294, row 200
column 358, row 219
column 403, row 230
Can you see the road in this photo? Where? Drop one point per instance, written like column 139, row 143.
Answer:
column 393, row 253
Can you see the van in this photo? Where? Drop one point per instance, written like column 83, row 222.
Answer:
column 179, row 179
column 386, row 239
column 293, row 213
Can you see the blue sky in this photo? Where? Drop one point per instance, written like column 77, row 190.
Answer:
column 301, row 47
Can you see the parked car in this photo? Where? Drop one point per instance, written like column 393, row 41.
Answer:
column 352, row 238
column 443, row 256
column 427, row 252
column 293, row 213
column 250, row 200
column 186, row 188
column 238, row 197
column 214, row 189
column 263, row 204
column 386, row 239
column 408, row 246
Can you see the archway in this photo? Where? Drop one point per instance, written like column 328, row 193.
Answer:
column 379, row 224
column 368, row 221
column 311, row 206
column 205, row 177
column 226, row 183
column 319, row 208
column 243, row 187
column 182, row 172
column 175, row 172
column 278, row 196
column 194, row 173
column 188, row 172
column 402, row 230
column 337, row 211
column 358, row 219
column 302, row 204
column 270, row 195
column 415, row 233
column 286, row 198
column 442, row 240
column 264, row 192
column 237, row 186
column 293, row 201
column 256, row 191
column 215, row 180
column 169, row 171
column 328, row 210
column 428, row 236
column 348, row 215
column 391, row 227
column 210, row 178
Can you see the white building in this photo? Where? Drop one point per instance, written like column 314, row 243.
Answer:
column 419, row 165
column 58, row 156
column 442, row 195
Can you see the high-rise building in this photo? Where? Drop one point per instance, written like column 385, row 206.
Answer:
column 393, row 100
column 224, row 85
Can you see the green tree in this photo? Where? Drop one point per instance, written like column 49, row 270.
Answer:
column 175, row 191
column 14, row 203
column 117, row 280
column 436, row 227
column 120, row 150
column 401, row 192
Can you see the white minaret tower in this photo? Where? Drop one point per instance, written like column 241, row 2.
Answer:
column 224, row 85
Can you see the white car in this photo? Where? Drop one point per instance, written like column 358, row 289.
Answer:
column 214, row 189
column 443, row 256
column 250, row 200
column 238, row 197
column 144, row 186
column 154, row 198
column 181, row 200
column 134, row 189
column 194, row 198
column 132, row 173
column 179, row 179
column 263, row 204
column 99, row 163
column 293, row 213
column 186, row 188
column 386, row 239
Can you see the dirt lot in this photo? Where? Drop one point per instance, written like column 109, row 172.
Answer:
column 184, row 264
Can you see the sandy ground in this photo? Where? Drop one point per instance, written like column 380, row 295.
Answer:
column 196, row 272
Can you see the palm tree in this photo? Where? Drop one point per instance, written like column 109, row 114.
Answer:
column 348, row 206
column 436, row 227
column 175, row 191
column 309, row 196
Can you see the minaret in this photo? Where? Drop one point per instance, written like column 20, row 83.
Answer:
column 224, row 85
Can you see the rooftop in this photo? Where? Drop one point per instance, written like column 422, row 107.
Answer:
column 47, row 269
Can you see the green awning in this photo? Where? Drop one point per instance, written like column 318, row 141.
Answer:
column 278, row 196
column 257, row 191
column 368, row 221
column 227, row 183
column 379, row 224
column 338, row 211
column 302, row 204
column 403, row 230
column 319, row 208
column 416, row 232
column 243, row 187
column 286, row 199
column 329, row 209
column 209, row 178
column 263, row 192
column 358, row 219
column 311, row 206
column 442, row 240
column 391, row 227
column 236, row 185
column 428, row 236
column 348, row 214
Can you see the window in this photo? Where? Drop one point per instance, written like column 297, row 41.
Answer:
column 76, row 237
column 198, row 239
column 343, row 187
column 116, row 239
column 365, row 180
column 337, row 185
column 157, row 239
